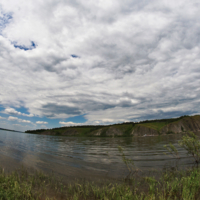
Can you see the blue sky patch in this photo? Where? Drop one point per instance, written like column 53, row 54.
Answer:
column 5, row 20
column 76, row 119
column 22, row 110
column 33, row 46
column 23, row 114
column 1, row 108
column 74, row 56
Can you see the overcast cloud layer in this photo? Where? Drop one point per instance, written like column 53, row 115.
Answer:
column 111, row 61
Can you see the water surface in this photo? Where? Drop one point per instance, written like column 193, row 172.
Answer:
column 84, row 157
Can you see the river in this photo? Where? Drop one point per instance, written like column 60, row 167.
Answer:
column 80, row 157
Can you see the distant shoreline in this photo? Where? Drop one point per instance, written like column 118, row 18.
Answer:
column 4, row 129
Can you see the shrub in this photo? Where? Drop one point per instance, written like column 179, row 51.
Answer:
column 191, row 143
column 172, row 150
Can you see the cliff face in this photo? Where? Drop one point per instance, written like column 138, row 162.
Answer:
column 48, row 133
column 112, row 131
column 141, row 130
column 185, row 124
column 107, row 132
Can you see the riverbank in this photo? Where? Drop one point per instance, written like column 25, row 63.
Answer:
column 171, row 184
column 149, row 127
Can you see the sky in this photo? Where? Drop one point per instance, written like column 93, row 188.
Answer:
column 66, row 63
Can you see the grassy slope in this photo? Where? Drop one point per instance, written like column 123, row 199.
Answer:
column 125, row 128
column 155, row 125
column 87, row 130
column 160, row 124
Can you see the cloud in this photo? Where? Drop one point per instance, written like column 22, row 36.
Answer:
column 60, row 110
column 114, row 61
column 70, row 123
column 2, row 117
column 43, row 127
column 41, row 122
column 19, row 125
column 10, row 118
column 12, row 111
column 5, row 18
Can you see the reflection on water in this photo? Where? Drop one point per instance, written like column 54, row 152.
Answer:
column 73, row 155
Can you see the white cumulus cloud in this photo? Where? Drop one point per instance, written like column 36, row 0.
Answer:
column 70, row 123
column 19, row 125
column 41, row 122
column 10, row 118
column 12, row 111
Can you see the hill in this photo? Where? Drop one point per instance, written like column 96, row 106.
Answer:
column 148, row 127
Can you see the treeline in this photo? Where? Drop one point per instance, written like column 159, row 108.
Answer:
column 66, row 127
column 4, row 129
column 163, row 120
column 94, row 127
column 37, row 130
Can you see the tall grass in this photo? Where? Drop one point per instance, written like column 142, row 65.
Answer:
column 181, row 185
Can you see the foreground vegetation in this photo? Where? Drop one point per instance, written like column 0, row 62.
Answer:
column 170, row 184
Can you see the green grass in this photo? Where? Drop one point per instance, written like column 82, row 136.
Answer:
column 125, row 128
column 83, row 131
column 155, row 125
column 172, row 184
column 159, row 124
